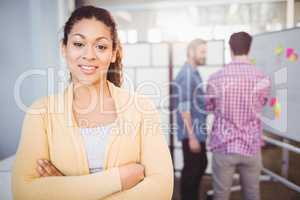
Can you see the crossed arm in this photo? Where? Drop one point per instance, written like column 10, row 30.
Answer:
column 152, row 178
column 130, row 174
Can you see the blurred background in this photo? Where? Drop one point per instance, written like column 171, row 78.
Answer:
column 154, row 35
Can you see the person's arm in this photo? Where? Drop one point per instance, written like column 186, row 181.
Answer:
column 194, row 144
column 264, row 95
column 155, row 157
column 210, row 97
column 28, row 185
column 187, row 90
column 187, row 120
column 185, row 94
column 264, row 90
column 130, row 174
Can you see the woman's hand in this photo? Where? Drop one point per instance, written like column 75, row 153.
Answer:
column 45, row 168
column 131, row 174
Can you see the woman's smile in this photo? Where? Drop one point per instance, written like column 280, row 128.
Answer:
column 88, row 69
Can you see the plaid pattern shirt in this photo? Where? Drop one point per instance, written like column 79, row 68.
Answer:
column 236, row 96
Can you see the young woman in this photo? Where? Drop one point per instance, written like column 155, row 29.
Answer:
column 103, row 142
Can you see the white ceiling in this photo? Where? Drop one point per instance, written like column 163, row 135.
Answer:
column 152, row 4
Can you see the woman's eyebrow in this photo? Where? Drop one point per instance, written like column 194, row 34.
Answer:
column 102, row 38
column 82, row 36
column 78, row 34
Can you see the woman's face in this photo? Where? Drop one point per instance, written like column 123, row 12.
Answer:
column 89, row 51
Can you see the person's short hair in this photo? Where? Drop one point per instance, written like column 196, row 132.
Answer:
column 240, row 43
column 194, row 44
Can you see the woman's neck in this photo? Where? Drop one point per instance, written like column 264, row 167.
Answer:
column 83, row 92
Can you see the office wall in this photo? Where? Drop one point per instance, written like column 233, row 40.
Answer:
column 29, row 38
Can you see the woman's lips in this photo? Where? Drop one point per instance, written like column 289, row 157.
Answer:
column 88, row 69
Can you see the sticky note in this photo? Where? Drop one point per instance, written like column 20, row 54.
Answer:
column 289, row 52
column 273, row 102
column 253, row 61
column 293, row 57
column 277, row 114
column 277, row 110
column 279, row 50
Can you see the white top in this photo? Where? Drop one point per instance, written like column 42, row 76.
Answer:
column 95, row 140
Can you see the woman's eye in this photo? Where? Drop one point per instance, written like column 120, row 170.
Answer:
column 101, row 47
column 78, row 44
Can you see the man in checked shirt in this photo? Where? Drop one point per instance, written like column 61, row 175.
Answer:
column 236, row 96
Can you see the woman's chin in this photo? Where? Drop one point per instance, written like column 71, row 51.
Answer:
column 88, row 80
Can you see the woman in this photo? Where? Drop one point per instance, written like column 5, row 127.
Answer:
column 104, row 143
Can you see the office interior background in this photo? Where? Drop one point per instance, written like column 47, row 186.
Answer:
column 154, row 34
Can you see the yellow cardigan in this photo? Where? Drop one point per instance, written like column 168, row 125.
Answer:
column 51, row 132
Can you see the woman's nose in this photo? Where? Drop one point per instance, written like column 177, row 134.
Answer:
column 89, row 54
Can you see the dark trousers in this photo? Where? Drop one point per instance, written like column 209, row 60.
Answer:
column 193, row 170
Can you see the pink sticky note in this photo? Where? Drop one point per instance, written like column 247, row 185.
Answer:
column 289, row 52
column 273, row 102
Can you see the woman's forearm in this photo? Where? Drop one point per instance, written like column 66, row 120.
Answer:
column 159, row 186
column 94, row 186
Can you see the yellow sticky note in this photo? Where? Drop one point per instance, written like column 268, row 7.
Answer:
column 253, row 61
column 279, row 50
column 277, row 114
column 277, row 110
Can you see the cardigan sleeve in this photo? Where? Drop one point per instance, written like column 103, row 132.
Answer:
column 156, row 158
column 27, row 185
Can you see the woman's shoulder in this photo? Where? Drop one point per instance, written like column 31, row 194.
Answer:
column 42, row 104
column 38, row 104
